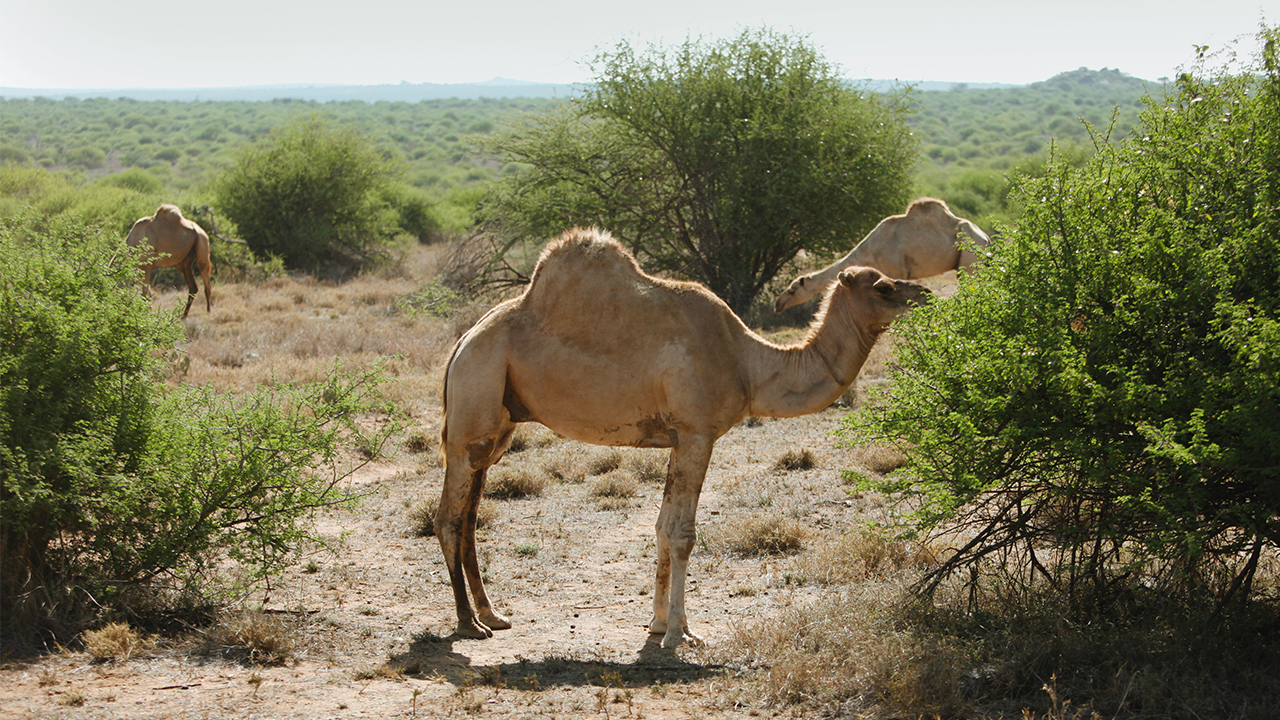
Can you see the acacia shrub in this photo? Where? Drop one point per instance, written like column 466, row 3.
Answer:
column 716, row 161
column 1096, row 408
column 309, row 193
column 109, row 482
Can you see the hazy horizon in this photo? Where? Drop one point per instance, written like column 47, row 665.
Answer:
column 159, row 44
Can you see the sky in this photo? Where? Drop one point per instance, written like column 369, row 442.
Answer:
column 161, row 44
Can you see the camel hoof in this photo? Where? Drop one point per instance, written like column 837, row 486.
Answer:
column 675, row 636
column 657, row 627
column 494, row 621
column 473, row 629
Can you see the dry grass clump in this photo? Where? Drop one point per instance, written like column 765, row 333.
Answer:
column 420, row 441
column 762, row 535
column 116, row 642
column 514, row 483
column 647, row 466
column 615, row 490
column 604, row 461
column 567, row 464
column 256, row 637
column 422, row 517
column 795, row 459
column 528, row 437
column 843, row 655
column 864, row 556
column 878, row 458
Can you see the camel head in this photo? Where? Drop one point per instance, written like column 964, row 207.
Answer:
column 874, row 299
column 800, row 290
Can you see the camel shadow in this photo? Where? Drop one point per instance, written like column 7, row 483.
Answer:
column 430, row 655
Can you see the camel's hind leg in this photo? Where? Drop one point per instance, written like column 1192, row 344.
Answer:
column 677, row 531
column 192, row 288
column 477, row 433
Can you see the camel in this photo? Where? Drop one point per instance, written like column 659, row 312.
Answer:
column 174, row 240
column 600, row 352
column 922, row 242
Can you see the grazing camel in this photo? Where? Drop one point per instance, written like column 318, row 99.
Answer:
column 920, row 243
column 174, row 240
column 600, row 352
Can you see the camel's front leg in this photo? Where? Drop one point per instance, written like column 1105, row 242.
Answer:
column 677, row 531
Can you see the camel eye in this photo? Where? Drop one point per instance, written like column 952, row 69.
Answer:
column 884, row 288
column 802, row 282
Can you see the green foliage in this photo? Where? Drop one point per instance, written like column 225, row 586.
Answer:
column 1099, row 404
column 192, row 142
column 309, row 194
column 107, row 480
column 972, row 138
column 716, row 161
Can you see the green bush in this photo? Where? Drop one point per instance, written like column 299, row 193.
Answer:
column 1097, row 408
column 310, row 194
column 107, row 480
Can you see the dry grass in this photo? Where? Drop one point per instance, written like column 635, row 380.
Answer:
column 647, row 466
column 796, row 459
column 514, row 482
column 255, row 637
column 422, row 517
column 761, row 535
column 615, row 490
column 530, row 437
column 863, row 557
column 115, row 642
column 843, row 655
column 877, row 457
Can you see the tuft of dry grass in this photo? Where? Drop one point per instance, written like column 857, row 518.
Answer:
column 514, row 483
column 615, row 490
column 422, row 517
column 530, row 437
column 795, row 459
column 762, row 535
column 647, row 466
column 256, row 637
column 843, row 655
column 877, row 458
column 864, row 556
column 116, row 642
column 420, row 441
column 604, row 461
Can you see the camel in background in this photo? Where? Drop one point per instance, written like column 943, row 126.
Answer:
column 600, row 352
column 923, row 242
column 174, row 240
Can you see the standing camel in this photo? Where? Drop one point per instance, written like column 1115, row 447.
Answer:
column 174, row 240
column 600, row 352
column 923, row 242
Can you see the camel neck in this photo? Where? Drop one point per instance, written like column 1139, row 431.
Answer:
column 805, row 378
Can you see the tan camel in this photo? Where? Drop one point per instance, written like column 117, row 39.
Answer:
column 600, row 352
column 920, row 243
column 174, row 240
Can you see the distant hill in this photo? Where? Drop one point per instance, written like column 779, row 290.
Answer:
column 497, row 88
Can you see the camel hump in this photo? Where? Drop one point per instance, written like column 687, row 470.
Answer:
column 584, row 278
column 585, row 251
column 583, row 263
column 168, row 212
column 928, row 206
